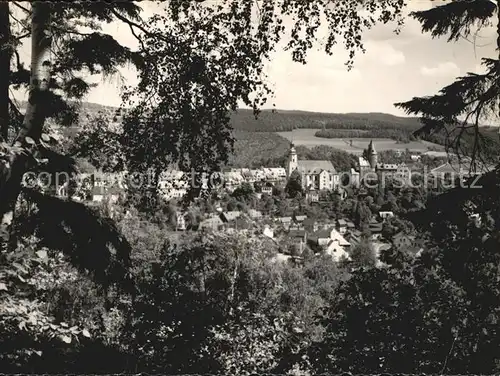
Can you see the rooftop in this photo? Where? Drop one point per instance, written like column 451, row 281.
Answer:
column 297, row 233
column 363, row 162
column 231, row 215
column 316, row 166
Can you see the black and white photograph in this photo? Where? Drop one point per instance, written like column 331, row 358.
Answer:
column 250, row 187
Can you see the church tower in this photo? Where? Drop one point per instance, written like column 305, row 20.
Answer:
column 372, row 155
column 292, row 161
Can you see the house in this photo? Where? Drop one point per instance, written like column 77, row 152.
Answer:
column 300, row 218
column 350, row 226
column 375, row 228
column 315, row 174
column 325, row 225
column 342, row 226
column 173, row 193
column 298, row 239
column 437, row 154
column 254, row 214
column 285, row 221
column 323, row 237
column 267, row 189
column 370, row 169
column 180, row 221
column 268, row 231
column 230, row 216
column 298, row 235
column 101, row 193
column 296, row 226
column 213, row 223
column 336, row 251
column 332, row 243
column 353, row 237
column 232, row 180
column 385, row 214
column 258, row 174
column 312, row 195
column 240, row 223
column 247, row 175
column 277, row 173
column 403, row 241
column 458, row 170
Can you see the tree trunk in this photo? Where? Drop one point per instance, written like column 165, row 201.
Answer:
column 34, row 118
column 41, row 42
column 5, row 56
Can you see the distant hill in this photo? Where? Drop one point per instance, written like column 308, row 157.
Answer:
column 255, row 149
column 282, row 120
column 257, row 143
column 88, row 109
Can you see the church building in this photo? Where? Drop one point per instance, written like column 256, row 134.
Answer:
column 375, row 169
column 369, row 165
column 316, row 175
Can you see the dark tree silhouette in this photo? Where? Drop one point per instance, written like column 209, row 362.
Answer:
column 460, row 108
column 294, row 185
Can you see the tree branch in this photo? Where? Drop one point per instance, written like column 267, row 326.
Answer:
column 18, row 60
column 21, row 7
column 131, row 24
column 22, row 36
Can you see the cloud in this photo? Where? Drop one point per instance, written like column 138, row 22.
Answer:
column 321, row 69
column 383, row 53
column 447, row 69
column 414, row 6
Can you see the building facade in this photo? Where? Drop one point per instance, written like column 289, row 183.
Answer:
column 369, row 168
column 316, row 175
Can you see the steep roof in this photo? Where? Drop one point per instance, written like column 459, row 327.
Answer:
column 315, row 166
column 403, row 235
column 363, row 162
column 322, row 234
column 450, row 168
column 210, row 222
column 230, row 215
column 297, row 233
column 464, row 167
column 254, row 213
column 309, row 222
column 337, row 237
column 371, row 148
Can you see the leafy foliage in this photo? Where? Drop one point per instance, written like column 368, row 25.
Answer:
column 27, row 278
column 227, row 297
column 294, row 185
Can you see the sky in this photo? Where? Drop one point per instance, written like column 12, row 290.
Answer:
column 395, row 68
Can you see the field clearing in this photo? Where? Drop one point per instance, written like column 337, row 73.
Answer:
column 306, row 137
